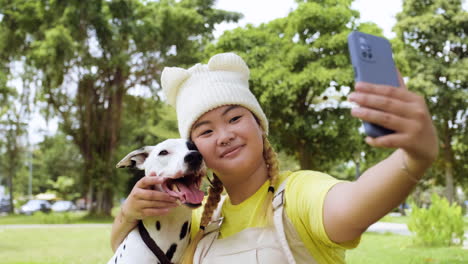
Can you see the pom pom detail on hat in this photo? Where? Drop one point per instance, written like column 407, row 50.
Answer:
column 201, row 88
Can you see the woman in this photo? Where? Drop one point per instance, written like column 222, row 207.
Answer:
column 323, row 216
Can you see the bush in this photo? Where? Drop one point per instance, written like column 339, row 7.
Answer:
column 439, row 225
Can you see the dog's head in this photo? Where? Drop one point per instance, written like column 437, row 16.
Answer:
column 178, row 162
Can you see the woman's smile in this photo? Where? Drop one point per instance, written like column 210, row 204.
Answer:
column 232, row 151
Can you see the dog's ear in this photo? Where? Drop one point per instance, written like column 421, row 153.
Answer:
column 135, row 158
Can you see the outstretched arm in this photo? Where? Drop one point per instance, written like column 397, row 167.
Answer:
column 350, row 208
column 142, row 202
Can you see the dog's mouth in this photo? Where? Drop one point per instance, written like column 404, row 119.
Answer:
column 186, row 189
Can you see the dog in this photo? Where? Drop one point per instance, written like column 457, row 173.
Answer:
column 163, row 239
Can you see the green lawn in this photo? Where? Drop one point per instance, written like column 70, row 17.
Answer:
column 90, row 245
column 80, row 217
column 70, row 245
column 395, row 219
column 391, row 249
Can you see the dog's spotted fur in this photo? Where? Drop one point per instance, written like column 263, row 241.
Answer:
column 170, row 232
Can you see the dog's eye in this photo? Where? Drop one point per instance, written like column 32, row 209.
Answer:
column 163, row 153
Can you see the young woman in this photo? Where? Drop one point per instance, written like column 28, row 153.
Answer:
column 322, row 215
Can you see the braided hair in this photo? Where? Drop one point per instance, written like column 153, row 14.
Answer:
column 214, row 196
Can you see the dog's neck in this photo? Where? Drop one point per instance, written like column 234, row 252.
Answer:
column 171, row 232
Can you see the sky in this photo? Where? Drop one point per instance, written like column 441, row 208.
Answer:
column 381, row 12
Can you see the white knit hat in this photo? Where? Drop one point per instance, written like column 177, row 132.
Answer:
column 223, row 81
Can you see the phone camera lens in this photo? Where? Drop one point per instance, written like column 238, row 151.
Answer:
column 370, row 56
column 364, row 54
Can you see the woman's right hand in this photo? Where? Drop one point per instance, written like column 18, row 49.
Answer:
column 144, row 202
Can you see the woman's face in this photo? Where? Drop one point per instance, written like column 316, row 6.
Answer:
column 230, row 140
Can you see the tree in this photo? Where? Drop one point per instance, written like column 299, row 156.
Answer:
column 64, row 188
column 145, row 123
column 88, row 54
column 15, row 113
column 295, row 63
column 54, row 157
column 13, row 120
column 434, row 34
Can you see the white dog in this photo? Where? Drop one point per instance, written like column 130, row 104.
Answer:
column 164, row 239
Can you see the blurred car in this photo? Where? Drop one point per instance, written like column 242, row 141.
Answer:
column 4, row 205
column 64, row 206
column 35, row 206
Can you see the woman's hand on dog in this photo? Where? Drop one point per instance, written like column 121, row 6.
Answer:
column 144, row 202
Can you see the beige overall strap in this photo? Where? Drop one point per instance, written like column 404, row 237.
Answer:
column 278, row 207
column 211, row 233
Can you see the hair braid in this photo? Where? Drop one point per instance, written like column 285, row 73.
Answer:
column 271, row 160
column 214, row 196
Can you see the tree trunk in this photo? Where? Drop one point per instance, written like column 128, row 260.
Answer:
column 112, row 118
column 358, row 169
column 99, row 115
column 305, row 158
column 449, row 185
column 10, row 188
column 448, row 163
column 13, row 158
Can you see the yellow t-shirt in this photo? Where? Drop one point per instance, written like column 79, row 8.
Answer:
column 305, row 194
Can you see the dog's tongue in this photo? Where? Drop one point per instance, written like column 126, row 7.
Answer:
column 190, row 194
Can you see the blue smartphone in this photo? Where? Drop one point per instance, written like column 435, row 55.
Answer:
column 372, row 61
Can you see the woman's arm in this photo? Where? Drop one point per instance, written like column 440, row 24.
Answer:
column 351, row 207
column 142, row 202
column 120, row 229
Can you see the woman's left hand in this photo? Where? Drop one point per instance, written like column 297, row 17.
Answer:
column 402, row 111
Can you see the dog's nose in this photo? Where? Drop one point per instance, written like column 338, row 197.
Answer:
column 193, row 160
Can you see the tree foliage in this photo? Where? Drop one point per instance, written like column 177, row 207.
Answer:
column 146, row 122
column 296, row 63
column 434, row 34
column 56, row 156
column 88, row 54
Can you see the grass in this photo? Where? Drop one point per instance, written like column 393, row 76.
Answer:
column 80, row 217
column 90, row 245
column 390, row 249
column 67, row 245
column 395, row 219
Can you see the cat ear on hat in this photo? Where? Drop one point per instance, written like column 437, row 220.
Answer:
column 171, row 80
column 229, row 62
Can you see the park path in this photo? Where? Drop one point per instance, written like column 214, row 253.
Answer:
column 384, row 227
